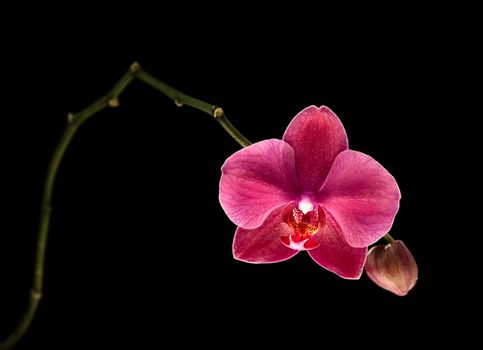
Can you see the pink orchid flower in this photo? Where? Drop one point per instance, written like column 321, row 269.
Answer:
column 309, row 192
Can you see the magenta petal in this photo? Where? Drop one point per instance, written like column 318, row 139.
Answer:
column 335, row 255
column 361, row 196
column 317, row 136
column 256, row 180
column 263, row 244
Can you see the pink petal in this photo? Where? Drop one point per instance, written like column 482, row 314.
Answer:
column 334, row 254
column 361, row 196
column 317, row 136
column 256, row 180
column 263, row 244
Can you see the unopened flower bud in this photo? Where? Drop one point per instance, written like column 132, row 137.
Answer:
column 392, row 267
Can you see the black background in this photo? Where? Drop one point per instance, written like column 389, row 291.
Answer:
column 140, row 251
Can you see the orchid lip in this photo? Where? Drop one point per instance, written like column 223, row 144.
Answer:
column 304, row 226
column 293, row 242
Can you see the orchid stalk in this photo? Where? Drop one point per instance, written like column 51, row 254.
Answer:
column 74, row 121
column 296, row 222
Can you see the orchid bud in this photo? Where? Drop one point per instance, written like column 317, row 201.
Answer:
column 392, row 267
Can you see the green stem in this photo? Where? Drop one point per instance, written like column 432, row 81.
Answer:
column 181, row 99
column 74, row 121
column 388, row 238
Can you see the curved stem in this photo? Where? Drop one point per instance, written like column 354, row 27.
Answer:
column 181, row 99
column 388, row 238
column 74, row 121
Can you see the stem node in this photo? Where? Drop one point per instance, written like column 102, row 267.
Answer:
column 218, row 113
column 113, row 103
column 35, row 295
column 135, row 67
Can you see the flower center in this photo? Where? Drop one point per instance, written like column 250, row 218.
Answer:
column 304, row 226
column 306, row 205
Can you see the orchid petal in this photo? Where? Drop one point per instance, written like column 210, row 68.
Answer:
column 317, row 136
column 362, row 197
column 334, row 254
column 256, row 180
column 263, row 244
